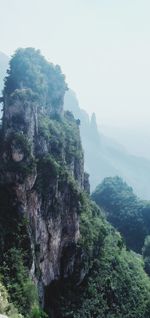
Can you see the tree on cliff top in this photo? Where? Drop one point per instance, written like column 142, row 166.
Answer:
column 29, row 69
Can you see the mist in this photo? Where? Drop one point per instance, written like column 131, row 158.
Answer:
column 102, row 47
column 74, row 158
column 103, row 50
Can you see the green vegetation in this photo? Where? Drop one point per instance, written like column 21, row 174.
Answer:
column 16, row 255
column 63, row 137
column 130, row 215
column 92, row 226
column 7, row 308
column 146, row 254
column 19, row 143
column 23, row 95
column 114, row 283
column 16, row 278
column 29, row 70
column 48, row 171
column 22, row 169
column 107, row 281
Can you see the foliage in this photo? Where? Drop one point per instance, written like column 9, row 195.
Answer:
column 29, row 69
column 22, row 291
column 48, row 171
column 15, row 254
column 111, row 281
column 130, row 215
column 114, row 285
column 21, row 141
column 13, row 225
column 37, row 313
column 16, row 278
column 92, row 226
column 22, row 168
column 146, row 254
column 146, row 247
column 6, row 307
column 3, row 299
column 23, row 95
column 63, row 137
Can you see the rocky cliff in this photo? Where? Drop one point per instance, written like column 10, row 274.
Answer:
column 50, row 231
column 42, row 166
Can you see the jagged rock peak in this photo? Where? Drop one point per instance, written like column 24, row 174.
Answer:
column 93, row 122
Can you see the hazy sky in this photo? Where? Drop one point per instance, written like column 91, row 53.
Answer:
column 103, row 47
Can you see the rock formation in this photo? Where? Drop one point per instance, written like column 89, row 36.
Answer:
column 49, row 228
column 45, row 171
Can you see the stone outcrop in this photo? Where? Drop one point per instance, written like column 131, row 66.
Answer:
column 46, row 177
column 20, row 114
column 42, row 174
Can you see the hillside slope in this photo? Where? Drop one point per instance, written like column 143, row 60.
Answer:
column 124, row 210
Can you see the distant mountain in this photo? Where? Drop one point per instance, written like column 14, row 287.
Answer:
column 4, row 60
column 104, row 157
column 131, row 138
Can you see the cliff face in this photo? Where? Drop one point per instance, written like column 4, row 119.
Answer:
column 48, row 225
column 43, row 157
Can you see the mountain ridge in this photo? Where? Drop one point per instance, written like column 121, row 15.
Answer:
column 109, row 157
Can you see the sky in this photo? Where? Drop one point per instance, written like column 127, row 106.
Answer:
column 102, row 46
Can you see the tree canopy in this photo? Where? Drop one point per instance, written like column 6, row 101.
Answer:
column 130, row 215
column 29, row 69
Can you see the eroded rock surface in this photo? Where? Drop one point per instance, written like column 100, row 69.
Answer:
column 42, row 153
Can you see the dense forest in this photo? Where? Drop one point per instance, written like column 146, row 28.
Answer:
column 59, row 256
column 127, row 213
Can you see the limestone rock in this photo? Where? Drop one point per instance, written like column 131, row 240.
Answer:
column 42, row 171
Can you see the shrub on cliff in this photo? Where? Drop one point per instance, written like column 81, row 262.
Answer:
column 146, row 254
column 7, row 308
